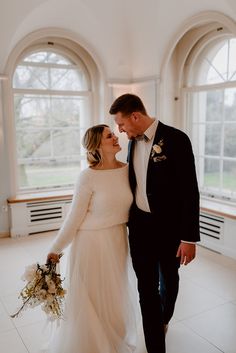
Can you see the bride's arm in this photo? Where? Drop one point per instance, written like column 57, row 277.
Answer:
column 76, row 214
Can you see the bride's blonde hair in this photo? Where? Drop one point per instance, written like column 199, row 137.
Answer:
column 91, row 142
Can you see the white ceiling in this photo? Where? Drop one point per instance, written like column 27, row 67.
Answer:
column 129, row 37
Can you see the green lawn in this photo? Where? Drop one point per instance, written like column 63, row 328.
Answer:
column 41, row 177
column 229, row 180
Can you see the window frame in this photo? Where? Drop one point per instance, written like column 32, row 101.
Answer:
column 190, row 87
column 64, row 52
column 69, row 43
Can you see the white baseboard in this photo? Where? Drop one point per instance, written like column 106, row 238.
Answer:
column 4, row 234
column 229, row 252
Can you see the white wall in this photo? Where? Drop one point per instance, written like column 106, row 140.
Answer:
column 146, row 89
column 4, row 186
column 128, row 37
column 128, row 40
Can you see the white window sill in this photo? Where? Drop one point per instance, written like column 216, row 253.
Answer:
column 218, row 207
column 40, row 196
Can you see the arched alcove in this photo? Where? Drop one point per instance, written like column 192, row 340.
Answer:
column 61, row 41
column 199, row 29
column 195, row 100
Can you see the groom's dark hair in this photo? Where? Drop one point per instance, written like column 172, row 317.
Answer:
column 127, row 104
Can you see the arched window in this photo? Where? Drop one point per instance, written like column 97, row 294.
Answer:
column 52, row 109
column 211, row 109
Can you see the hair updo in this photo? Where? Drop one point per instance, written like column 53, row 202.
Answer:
column 91, row 142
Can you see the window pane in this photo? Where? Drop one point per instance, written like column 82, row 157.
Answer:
column 45, row 175
column 199, row 106
column 230, row 104
column 229, row 175
column 214, row 105
column 230, row 140
column 206, row 73
column 213, row 139
column 232, row 61
column 33, row 144
column 48, row 143
column 31, row 111
column 35, row 111
column 216, row 64
column 66, row 142
column 47, row 57
column 219, row 67
column 206, row 106
column 66, row 111
column 29, row 77
column 213, row 76
column 212, row 173
column 71, row 80
column 49, row 131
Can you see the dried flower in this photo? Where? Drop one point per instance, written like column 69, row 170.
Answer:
column 156, row 155
column 44, row 287
column 157, row 148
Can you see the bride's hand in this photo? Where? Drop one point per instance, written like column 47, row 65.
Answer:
column 52, row 257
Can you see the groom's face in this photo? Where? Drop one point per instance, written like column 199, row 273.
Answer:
column 127, row 124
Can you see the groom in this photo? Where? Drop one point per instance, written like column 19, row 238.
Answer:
column 164, row 218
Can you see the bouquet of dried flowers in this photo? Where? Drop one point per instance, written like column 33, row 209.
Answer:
column 44, row 287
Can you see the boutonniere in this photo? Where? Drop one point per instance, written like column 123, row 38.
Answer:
column 156, row 153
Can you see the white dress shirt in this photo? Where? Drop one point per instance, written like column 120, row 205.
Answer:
column 140, row 160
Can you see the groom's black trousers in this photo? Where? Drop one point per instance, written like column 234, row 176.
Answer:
column 154, row 260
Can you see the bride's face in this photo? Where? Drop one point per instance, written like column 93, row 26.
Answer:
column 109, row 142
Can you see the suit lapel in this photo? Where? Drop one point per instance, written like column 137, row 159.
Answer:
column 158, row 136
column 159, row 132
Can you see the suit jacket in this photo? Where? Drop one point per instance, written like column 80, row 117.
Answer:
column 171, row 184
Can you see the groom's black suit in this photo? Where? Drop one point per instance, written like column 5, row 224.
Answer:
column 173, row 196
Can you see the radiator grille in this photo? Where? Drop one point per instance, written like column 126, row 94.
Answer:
column 38, row 216
column 211, row 226
column 45, row 212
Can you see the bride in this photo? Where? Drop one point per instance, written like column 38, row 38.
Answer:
column 102, row 311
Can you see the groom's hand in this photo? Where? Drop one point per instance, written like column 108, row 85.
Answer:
column 186, row 252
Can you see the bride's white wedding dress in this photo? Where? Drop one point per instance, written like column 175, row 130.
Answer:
column 102, row 313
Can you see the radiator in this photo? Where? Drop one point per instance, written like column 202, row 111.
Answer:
column 37, row 216
column 211, row 230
